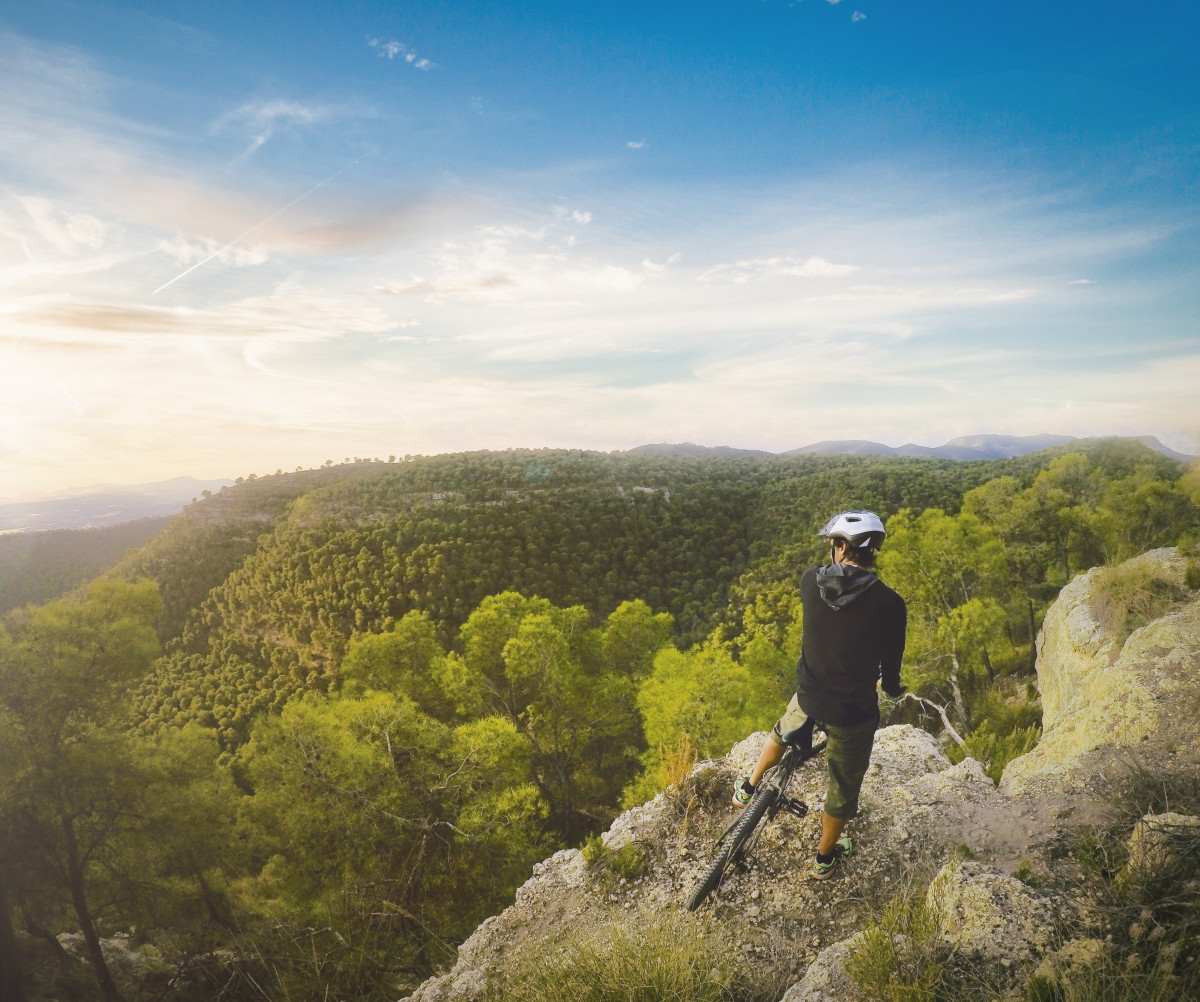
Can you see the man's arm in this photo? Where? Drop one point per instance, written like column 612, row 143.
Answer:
column 893, row 649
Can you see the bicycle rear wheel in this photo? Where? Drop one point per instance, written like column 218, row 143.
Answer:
column 741, row 830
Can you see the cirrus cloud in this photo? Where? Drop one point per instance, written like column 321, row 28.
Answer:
column 741, row 272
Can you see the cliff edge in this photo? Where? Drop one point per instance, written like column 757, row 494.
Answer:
column 951, row 873
column 1118, row 658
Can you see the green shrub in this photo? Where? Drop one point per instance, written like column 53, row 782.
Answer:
column 995, row 751
column 1132, row 596
column 1006, row 727
column 899, row 958
column 1165, row 974
column 1027, row 873
column 664, row 957
column 628, row 861
column 1191, row 577
column 1151, row 911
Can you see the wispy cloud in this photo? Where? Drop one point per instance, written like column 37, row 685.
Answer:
column 185, row 252
column 550, row 310
column 580, row 216
column 289, row 313
column 264, row 119
column 772, row 267
column 68, row 232
column 391, row 49
column 41, row 229
column 858, row 15
column 510, row 262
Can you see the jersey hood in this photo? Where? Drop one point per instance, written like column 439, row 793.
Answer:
column 841, row 584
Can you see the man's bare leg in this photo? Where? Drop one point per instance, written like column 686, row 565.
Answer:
column 772, row 752
column 831, row 831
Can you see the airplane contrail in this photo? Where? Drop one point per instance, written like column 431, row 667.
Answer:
column 256, row 226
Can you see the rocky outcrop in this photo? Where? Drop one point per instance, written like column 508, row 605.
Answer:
column 1119, row 674
column 917, row 808
column 1158, row 842
column 989, row 916
column 994, row 923
column 826, row 979
column 1119, row 671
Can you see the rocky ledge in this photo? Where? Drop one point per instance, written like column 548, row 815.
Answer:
column 994, row 873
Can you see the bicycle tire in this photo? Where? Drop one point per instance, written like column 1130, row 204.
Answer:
column 749, row 820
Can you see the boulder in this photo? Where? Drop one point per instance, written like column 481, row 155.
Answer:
column 989, row 915
column 1160, row 840
column 1119, row 675
column 553, row 895
column 826, row 979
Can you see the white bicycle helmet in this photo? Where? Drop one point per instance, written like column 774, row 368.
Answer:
column 861, row 529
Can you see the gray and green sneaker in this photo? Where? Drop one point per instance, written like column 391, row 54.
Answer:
column 823, row 871
column 743, row 792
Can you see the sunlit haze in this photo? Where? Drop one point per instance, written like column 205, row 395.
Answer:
column 236, row 237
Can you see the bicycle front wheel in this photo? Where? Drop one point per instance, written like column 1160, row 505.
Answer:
column 751, row 816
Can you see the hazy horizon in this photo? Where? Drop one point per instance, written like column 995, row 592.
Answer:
column 81, row 489
column 235, row 240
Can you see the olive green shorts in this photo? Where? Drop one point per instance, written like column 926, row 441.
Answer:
column 846, row 756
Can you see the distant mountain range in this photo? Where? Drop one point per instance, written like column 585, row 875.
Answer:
column 110, row 504
column 104, row 504
column 966, row 448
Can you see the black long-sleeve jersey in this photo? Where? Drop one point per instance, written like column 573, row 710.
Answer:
column 854, row 628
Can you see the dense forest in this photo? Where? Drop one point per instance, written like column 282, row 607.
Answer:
column 310, row 734
column 38, row 566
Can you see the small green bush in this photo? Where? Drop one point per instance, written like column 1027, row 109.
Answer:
column 1157, row 976
column 1006, row 727
column 1027, row 873
column 628, row 861
column 1191, row 577
column 1132, row 596
column 1151, row 911
column 665, row 957
column 899, row 958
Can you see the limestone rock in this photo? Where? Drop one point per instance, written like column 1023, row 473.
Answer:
column 549, row 896
column 1159, row 839
column 900, row 754
column 1072, row 955
column 826, row 979
column 1105, row 695
column 988, row 914
column 742, row 756
column 135, row 969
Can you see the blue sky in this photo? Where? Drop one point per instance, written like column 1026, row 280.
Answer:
column 236, row 237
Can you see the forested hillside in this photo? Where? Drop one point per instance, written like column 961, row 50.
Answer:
column 373, row 542
column 39, row 566
column 329, row 719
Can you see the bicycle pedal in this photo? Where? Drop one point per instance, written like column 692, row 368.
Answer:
column 796, row 807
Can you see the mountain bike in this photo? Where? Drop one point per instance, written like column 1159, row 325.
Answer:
column 770, row 797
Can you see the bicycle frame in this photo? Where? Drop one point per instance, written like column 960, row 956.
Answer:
column 737, row 841
column 776, row 780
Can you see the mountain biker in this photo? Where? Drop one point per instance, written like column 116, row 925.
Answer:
column 853, row 637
